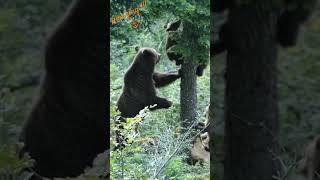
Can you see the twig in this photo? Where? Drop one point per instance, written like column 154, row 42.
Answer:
column 175, row 151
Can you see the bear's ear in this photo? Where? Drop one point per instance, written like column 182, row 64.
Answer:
column 173, row 26
column 137, row 48
column 145, row 51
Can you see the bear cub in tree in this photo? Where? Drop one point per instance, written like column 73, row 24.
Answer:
column 171, row 28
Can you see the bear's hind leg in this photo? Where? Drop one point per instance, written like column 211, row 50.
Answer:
column 161, row 103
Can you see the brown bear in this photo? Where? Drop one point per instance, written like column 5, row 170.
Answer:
column 139, row 90
column 311, row 162
column 171, row 29
column 68, row 125
column 140, row 83
column 200, row 151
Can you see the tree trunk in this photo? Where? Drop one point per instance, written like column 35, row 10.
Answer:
column 188, row 94
column 251, row 114
column 211, row 113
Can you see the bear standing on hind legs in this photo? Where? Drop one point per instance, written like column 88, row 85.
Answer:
column 67, row 126
column 139, row 90
column 140, row 83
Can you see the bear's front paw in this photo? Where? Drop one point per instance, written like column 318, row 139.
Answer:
column 168, row 104
column 199, row 71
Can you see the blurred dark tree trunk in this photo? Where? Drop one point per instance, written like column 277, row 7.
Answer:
column 188, row 94
column 251, row 109
column 211, row 113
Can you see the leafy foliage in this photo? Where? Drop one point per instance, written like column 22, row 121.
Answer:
column 196, row 12
column 155, row 139
column 11, row 166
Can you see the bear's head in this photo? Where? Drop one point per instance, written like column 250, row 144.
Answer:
column 173, row 26
column 147, row 58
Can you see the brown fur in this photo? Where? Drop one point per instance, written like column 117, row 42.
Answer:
column 171, row 29
column 200, row 151
column 67, row 126
column 140, row 83
column 311, row 161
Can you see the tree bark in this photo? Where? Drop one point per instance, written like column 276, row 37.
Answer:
column 188, row 94
column 211, row 113
column 251, row 114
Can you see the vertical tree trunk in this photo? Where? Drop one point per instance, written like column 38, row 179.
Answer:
column 211, row 113
column 251, row 114
column 188, row 94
